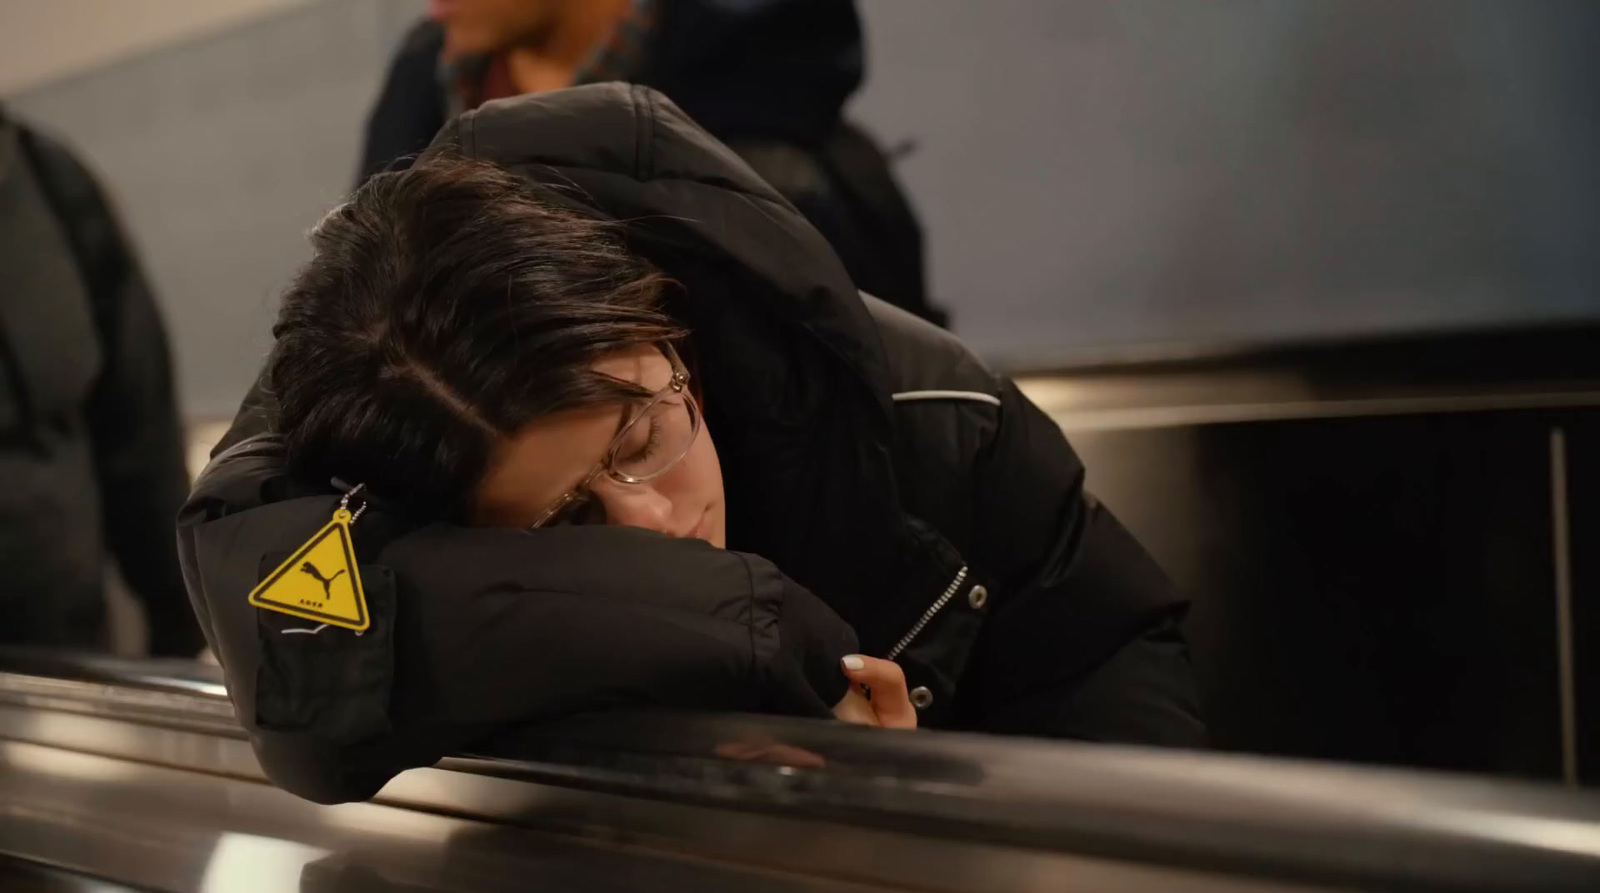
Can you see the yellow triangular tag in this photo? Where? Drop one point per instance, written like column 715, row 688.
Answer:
column 320, row 580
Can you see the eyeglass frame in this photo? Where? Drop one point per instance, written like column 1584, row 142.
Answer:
column 679, row 384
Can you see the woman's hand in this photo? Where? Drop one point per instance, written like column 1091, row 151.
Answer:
column 877, row 695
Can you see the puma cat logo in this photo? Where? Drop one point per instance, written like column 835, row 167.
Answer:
column 327, row 582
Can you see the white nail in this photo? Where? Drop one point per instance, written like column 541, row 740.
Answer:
column 854, row 662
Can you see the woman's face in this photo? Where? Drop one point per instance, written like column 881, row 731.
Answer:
column 532, row 470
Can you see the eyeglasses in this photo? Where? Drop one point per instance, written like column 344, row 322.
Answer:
column 648, row 446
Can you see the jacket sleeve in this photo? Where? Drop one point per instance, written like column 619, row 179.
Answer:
column 476, row 632
column 410, row 108
column 1083, row 640
column 133, row 417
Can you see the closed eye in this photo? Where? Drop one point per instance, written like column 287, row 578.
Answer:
column 652, row 440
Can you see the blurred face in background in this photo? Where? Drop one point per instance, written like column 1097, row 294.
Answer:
column 487, row 26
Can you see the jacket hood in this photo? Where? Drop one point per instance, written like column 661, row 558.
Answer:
column 772, row 69
column 797, row 395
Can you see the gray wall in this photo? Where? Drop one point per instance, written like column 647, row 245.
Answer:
column 1090, row 173
column 1096, row 173
column 222, row 153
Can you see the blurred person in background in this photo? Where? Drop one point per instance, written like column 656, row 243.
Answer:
column 513, row 358
column 769, row 78
column 91, row 451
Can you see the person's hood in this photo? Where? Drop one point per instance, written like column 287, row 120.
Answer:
column 757, row 69
column 797, row 395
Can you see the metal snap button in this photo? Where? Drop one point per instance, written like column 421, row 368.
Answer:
column 978, row 597
column 921, row 697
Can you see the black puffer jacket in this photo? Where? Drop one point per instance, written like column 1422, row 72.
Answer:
column 866, row 454
column 91, row 451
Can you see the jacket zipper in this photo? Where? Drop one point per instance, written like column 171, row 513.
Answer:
column 928, row 615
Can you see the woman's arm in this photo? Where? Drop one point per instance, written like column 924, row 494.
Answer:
column 475, row 631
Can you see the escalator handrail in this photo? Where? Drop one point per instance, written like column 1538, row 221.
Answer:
column 1239, row 814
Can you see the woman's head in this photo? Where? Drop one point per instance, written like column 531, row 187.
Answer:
column 476, row 350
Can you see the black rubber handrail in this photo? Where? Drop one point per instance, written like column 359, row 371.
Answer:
column 1260, row 817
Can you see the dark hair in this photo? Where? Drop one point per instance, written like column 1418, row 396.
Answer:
column 444, row 308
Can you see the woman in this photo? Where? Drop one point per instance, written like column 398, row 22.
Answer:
column 566, row 358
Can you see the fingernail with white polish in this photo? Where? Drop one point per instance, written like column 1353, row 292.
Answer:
column 854, row 662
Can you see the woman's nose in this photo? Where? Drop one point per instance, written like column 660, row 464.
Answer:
column 637, row 505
